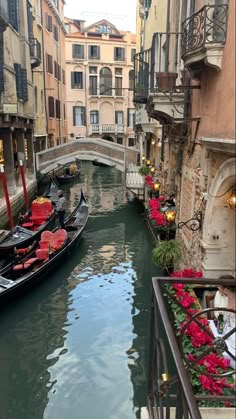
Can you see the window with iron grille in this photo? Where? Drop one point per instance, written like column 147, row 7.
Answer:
column 119, row 140
column 51, row 110
column 119, row 54
column 48, row 22
column 94, row 52
column 76, row 80
column 77, row 51
column 131, row 142
column 79, row 116
column 49, row 63
column 21, row 82
column 13, row 10
column 94, row 117
column 58, row 109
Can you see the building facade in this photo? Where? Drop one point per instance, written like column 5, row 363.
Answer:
column 53, row 68
column 16, row 87
column 184, row 80
column 100, row 75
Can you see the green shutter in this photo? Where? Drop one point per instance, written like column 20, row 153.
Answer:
column 17, row 68
column 24, row 84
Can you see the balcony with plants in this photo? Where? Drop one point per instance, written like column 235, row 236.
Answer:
column 157, row 81
column 204, row 37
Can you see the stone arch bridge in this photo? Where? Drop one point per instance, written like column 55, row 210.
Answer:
column 122, row 158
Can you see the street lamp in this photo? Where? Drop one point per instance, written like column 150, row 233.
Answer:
column 232, row 200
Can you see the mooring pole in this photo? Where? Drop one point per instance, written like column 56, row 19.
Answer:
column 4, row 184
column 24, row 184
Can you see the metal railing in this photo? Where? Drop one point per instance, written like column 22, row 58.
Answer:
column 155, row 69
column 35, row 52
column 206, row 27
column 166, row 392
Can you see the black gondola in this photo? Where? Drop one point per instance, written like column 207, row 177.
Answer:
column 70, row 173
column 43, row 258
column 31, row 225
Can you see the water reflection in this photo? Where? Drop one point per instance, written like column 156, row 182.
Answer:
column 76, row 346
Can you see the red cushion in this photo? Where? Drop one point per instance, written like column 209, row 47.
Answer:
column 42, row 254
column 27, row 225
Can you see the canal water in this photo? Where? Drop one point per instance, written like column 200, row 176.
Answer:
column 76, row 346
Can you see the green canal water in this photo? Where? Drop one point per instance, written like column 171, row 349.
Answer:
column 76, row 346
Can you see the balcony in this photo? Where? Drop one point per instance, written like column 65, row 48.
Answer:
column 156, row 78
column 107, row 129
column 35, row 52
column 204, row 37
column 3, row 15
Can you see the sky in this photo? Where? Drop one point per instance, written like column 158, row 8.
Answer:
column 122, row 13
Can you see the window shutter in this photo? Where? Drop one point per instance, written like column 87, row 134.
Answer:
column 84, row 115
column 24, row 84
column 116, row 117
column 17, row 68
column 13, row 13
column 74, row 119
column 128, row 121
column 72, row 79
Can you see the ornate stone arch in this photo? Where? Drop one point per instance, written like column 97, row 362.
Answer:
column 219, row 224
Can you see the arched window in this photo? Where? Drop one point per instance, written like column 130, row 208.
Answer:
column 131, row 80
column 105, row 82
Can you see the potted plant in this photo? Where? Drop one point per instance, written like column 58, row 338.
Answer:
column 144, row 170
column 167, row 255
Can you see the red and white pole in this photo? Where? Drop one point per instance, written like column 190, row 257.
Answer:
column 24, row 184
column 4, row 184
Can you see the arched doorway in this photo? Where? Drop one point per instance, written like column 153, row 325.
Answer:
column 107, row 137
column 219, row 224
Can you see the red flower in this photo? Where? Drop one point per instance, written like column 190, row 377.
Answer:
column 178, row 287
column 227, row 404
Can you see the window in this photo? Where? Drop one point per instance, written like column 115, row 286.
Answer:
column 55, row 33
column 38, row 12
column 131, row 80
column 13, row 13
column 104, row 29
column 64, row 111
column 48, row 22
column 76, row 80
column 93, row 85
column 119, row 140
column 51, row 110
column 119, row 54
column 77, row 51
column 131, row 142
column 118, row 82
column 105, row 82
column 94, row 52
column 78, row 115
column 58, row 109
column 49, row 63
column 119, row 117
column 131, row 117
column 59, row 72
column 55, row 70
column 94, row 117
column 67, row 27
column 63, row 77
column 93, row 70
column 21, row 82
column 133, row 52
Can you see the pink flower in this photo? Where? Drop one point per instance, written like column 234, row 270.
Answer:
column 227, row 404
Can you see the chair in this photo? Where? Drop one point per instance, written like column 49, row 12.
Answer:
column 210, row 304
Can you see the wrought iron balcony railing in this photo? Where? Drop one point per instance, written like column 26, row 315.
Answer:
column 206, row 27
column 155, row 69
column 35, row 52
column 3, row 15
column 193, row 340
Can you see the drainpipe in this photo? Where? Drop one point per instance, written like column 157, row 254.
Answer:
column 44, row 80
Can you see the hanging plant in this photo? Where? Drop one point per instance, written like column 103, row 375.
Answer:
column 143, row 170
column 168, row 254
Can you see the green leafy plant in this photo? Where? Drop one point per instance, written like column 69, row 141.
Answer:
column 168, row 254
column 144, row 170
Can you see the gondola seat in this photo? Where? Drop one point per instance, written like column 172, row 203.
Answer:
column 29, row 225
column 25, row 265
column 42, row 254
column 58, row 239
